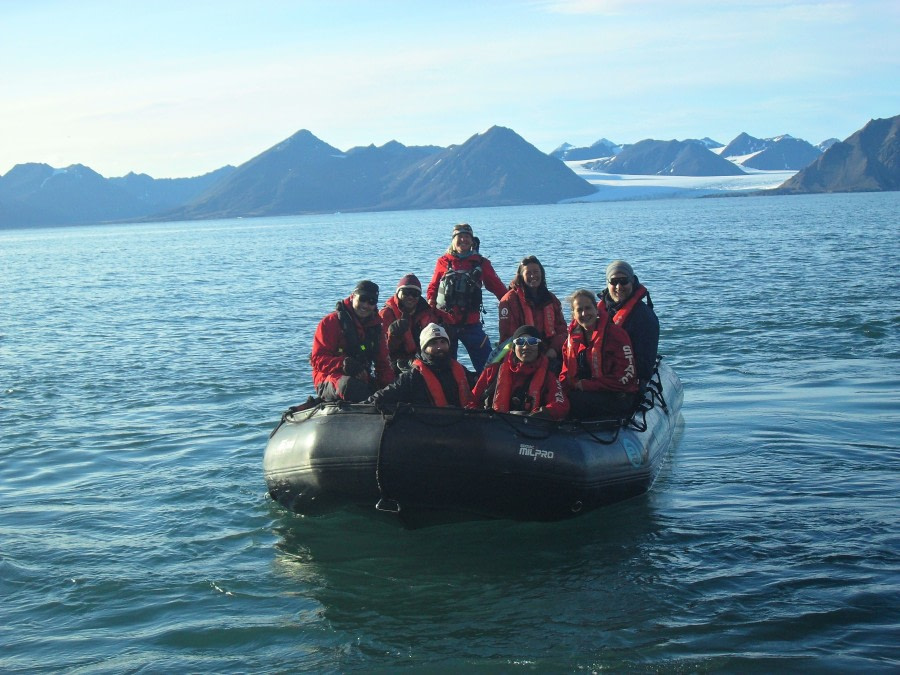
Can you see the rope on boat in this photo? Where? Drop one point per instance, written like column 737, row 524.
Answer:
column 288, row 415
column 511, row 421
column 517, row 423
column 600, row 440
column 384, row 502
column 653, row 394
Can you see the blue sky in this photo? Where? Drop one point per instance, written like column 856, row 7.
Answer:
column 182, row 88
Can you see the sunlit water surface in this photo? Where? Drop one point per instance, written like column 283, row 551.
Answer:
column 144, row 365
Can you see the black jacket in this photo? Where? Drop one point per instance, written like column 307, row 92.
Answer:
column 410, row 387
column 642, row 327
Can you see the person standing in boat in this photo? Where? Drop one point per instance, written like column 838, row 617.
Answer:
column 435, row 377
column 403, row 316
column 598, row 371
column 349, row 342
column 523, row 381
column 455, row 290
column 530, row 303
column 624, row 300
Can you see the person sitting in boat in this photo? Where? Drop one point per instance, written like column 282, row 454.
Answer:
column 523, row 381
column 623, row 298
column 530, row 303
column 348, row 343
column 455, row 290
column 598, row 371
column 436, row 378
column 403, row 316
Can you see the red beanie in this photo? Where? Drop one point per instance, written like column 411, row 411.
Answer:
column 410, row 281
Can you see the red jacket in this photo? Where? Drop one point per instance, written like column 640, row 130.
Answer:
column 516, row 309
column 542, row 387
column 608, row 353
column 489, row 280
column 405, row 345
column 330, row 347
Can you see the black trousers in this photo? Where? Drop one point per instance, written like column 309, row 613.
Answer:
column 347, row 388
column 586, row 405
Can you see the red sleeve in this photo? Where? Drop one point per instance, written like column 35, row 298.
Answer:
column 327, row 356
column 484, row 381
column 560, row 327
column 431, row 316
column 491, row 280
column 387, row 318
column 566, row 379
column 555, row 400
column 510, row 315
column 384, row 373
column 439, row 269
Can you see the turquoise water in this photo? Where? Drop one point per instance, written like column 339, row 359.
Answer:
column 143, row 367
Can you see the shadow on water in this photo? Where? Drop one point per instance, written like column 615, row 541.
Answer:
column 464, row 593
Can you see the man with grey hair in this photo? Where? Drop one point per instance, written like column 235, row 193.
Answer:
column 624, row 299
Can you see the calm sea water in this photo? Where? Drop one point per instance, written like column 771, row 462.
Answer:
column 144, row 365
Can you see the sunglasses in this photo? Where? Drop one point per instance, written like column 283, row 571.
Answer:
column 410, row 292
column 368, row 299
column 619, row 281
column 527, row 340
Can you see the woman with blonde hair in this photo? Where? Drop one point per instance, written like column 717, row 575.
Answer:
column 455, row 290
column 598, row 370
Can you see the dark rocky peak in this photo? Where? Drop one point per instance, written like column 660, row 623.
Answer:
column 744, row 144
column 24, row 178
column 393, row 147
column 306, row 143
column 602, row 148
column 668, row 158
column 496, row 137
column 78, row 171
column 785, row 153
column 560, row 151
column 707, row 142
column 867, row 161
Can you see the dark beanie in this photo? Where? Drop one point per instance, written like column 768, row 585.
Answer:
column 410, row 281
column 366, row 287
column 526, row 330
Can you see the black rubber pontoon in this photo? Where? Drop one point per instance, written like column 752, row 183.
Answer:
column 422, row 459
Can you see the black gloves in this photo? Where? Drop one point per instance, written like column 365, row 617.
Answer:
column 398, row 326
column 353, row 366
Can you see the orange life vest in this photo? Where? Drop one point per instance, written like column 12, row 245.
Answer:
column 621, row 316
column 503, row 390
column 609, row 355
column 436, row 391
column 548, row 329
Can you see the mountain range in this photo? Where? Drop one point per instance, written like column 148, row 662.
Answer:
column 687, row 158
column 666, row 158
column 304, row 174
column 868, row 161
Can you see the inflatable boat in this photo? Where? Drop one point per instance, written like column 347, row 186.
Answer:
column 420, row 461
